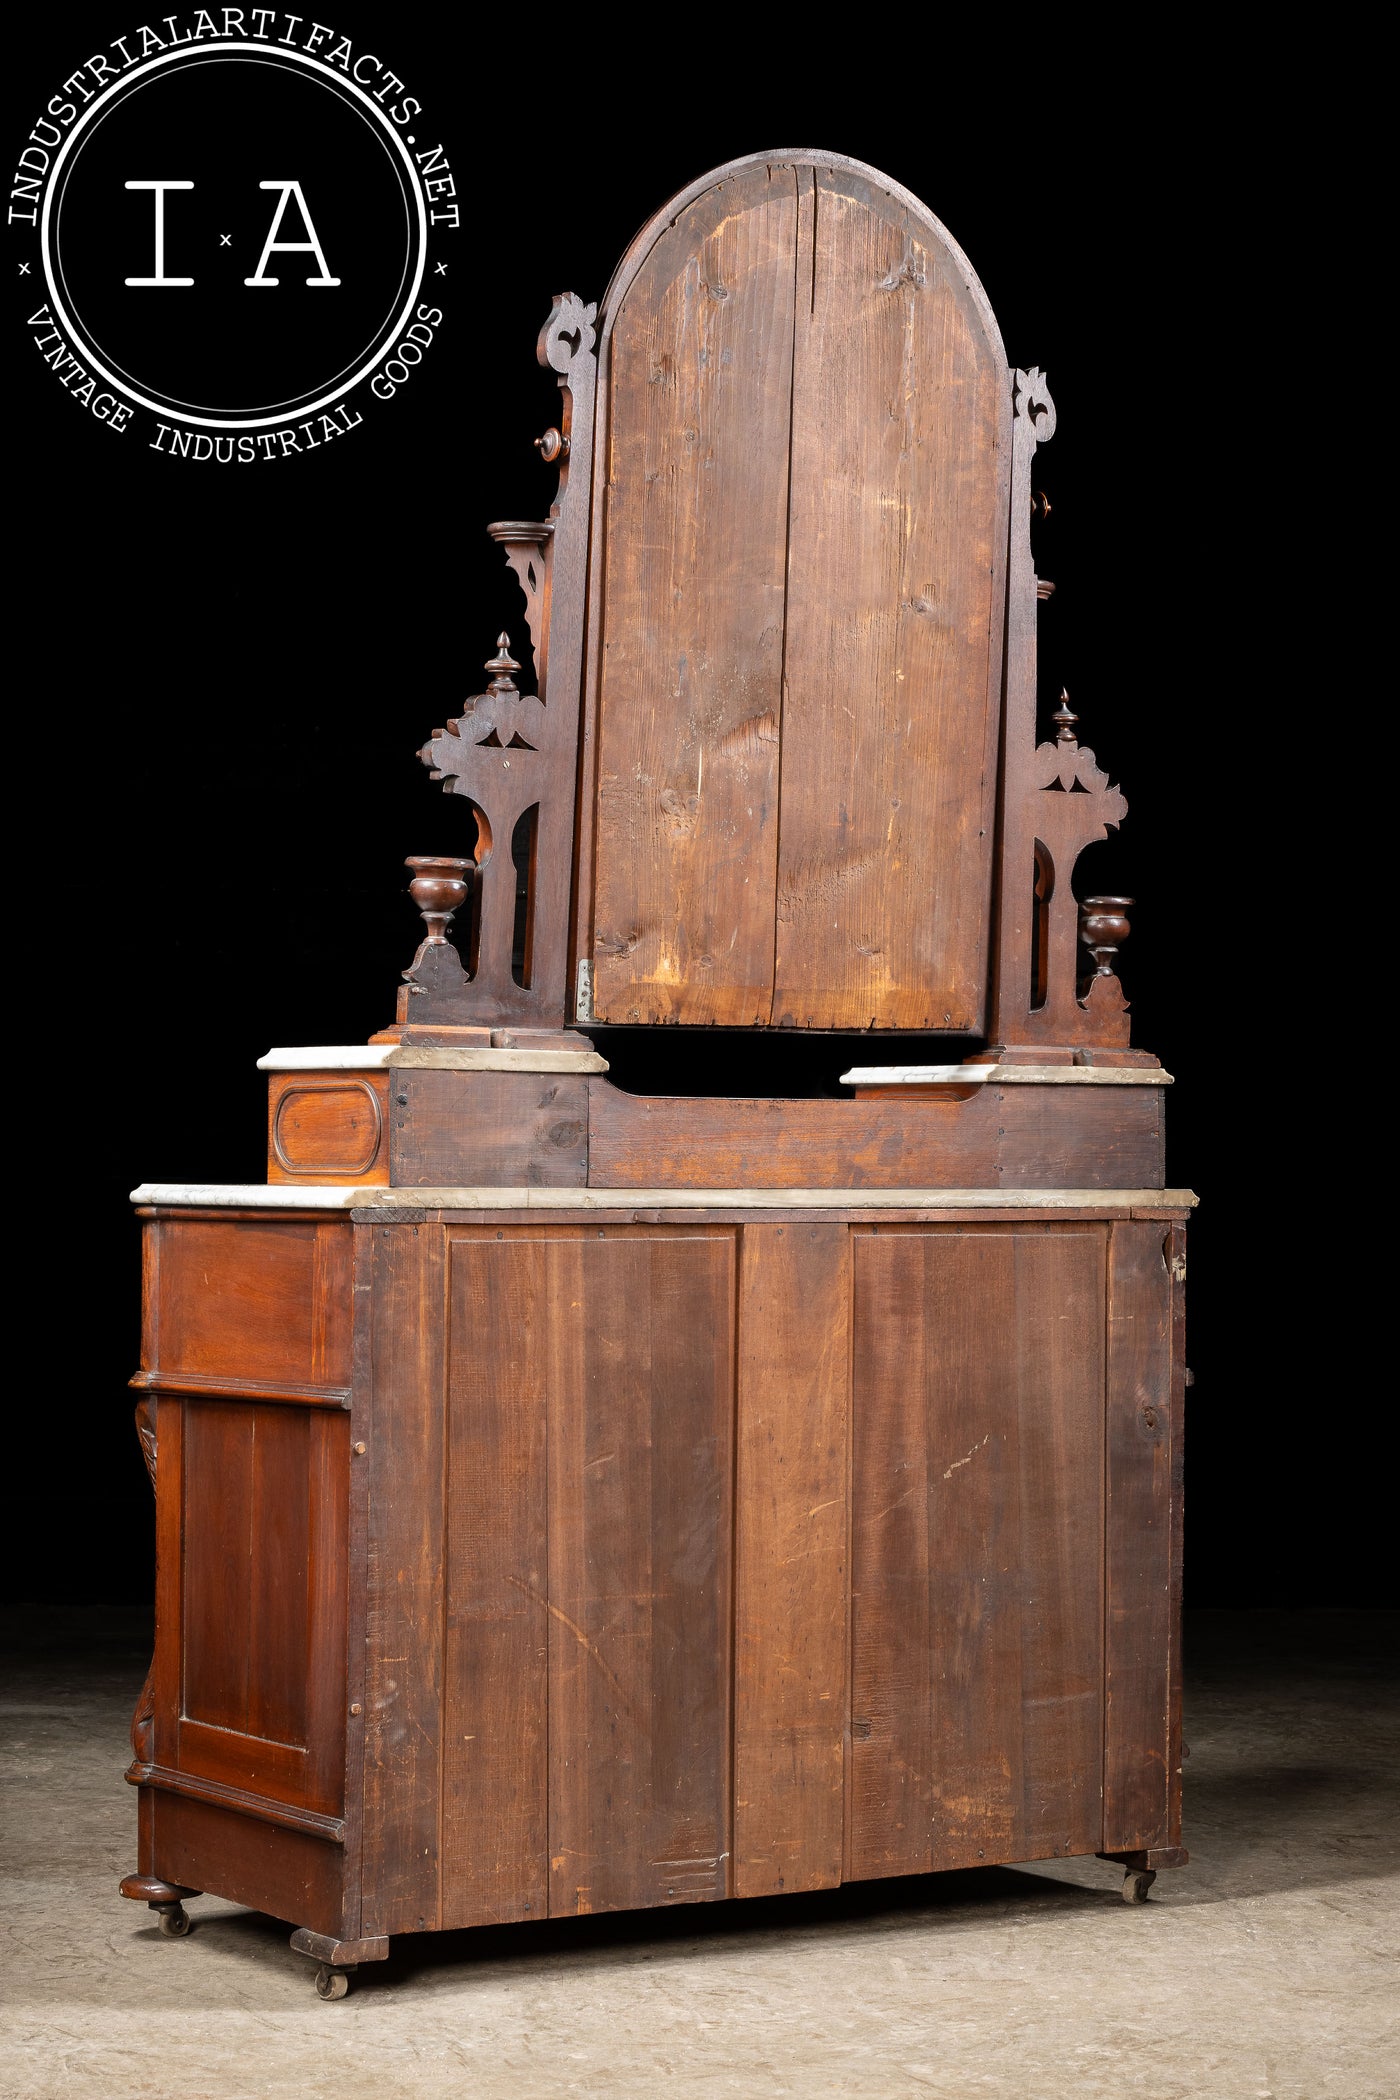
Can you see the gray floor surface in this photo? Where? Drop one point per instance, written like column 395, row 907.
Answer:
column 1266, row 1970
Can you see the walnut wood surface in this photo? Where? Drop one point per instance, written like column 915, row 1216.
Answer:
column 796, row 630
column 791, row 1563
column 496, row 1684
column 977, row 1547
column 483, row 1129
column 1016, row 1137
column 327, row 1127
column 1142, row 1784
column 640, row 1327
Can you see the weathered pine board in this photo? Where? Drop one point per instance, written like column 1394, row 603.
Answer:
column 404, row 1583
column 976, row 1547
column 690, row 679
column 641, row 1386
column 892, row 653
column 791, row 1524
column 495, row 1835
column 1141, row 1620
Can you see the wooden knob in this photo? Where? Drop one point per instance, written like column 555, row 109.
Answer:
column 553, row 444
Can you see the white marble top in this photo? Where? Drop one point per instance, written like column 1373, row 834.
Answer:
column 1006, row 1075
column 416, row 1057
column 205, row 1195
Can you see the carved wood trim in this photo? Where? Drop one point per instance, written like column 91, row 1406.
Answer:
column 143, row 1719
column 196, row 1385
column 1055, row 800
column 353, row 1169
column 284, row 1813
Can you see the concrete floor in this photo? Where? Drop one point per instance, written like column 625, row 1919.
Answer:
column 1264, row 1971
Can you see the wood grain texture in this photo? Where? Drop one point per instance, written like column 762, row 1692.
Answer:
column 689, row 695
column 892, row 664
column 791, row 1569
column 265, row 1299
column 495, row 1831
column 404, row 1604
column 324, row 1127
column 977, row 1547
column 1142, row 1627
column 999, row 1137
column 489, row 1129
column 641, row 1384
column 263, row 1601
column 287, row 1873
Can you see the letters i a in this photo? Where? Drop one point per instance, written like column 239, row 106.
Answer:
column 271, row 246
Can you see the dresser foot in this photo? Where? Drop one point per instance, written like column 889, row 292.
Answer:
column 1140, row 1869
column 337, row 1960
column 165, row 1898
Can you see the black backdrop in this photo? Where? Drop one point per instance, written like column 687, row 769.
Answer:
column 224, row 675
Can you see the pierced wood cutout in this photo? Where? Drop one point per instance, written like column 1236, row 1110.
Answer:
column 1056, row 800
column 511, row 753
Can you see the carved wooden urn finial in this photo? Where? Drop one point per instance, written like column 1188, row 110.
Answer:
column 1103, row 928
column 1066, row 719
column 438, row 888
column 501, row 666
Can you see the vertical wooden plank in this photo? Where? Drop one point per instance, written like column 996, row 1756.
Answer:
column 217, row 1556
column 978, row 1398
column 892, row 662
column 495, row 1837
column 280, row 1632
column 1059, row 1343
column 167, row 1668
column 404, row 1600
column 690, row 680
column 640, row 1443
column 326, row 1594
column 890, row 1784
column 1176, row 1264
column 791, row 1572
column 1138, row 1541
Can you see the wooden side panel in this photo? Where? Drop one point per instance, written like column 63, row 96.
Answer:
column 287, row 1873
column 404, row 1610
column 977, row 1547
column 1015, row 1137
column 1140, row 1621
column 690, row 678
column 640, row 1454
column 245, row 1300
column 489, row 1129
column 495, row 1836
column 893, row 625
column 263, row 1589
column 791, row 1524
column 327, row 1127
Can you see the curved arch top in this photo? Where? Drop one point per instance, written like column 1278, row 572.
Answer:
column 796, row 600
column 800, row 157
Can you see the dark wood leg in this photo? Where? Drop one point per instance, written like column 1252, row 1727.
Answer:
column 165, row 1898
column 1140, row 1869
column 338, row 1959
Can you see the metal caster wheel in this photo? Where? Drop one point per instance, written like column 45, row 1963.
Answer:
column 172, row 1919
column 332, row 1983
column 1136, row 1882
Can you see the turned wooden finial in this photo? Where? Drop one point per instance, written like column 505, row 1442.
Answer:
column 438, row 888
column 1103, row 928
column 501, row 665
column 1066, row 719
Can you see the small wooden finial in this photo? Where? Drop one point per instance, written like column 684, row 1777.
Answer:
column 501, row 665
column 1066, row 719
column 439, row 888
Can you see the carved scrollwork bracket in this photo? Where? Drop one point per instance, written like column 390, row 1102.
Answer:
column 1033, row 404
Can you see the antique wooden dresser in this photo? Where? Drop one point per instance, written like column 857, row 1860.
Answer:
column 573, row 1499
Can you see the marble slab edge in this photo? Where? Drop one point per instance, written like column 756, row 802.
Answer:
column 416, row 1057
column 211, row 1195
column 1006, row 1075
